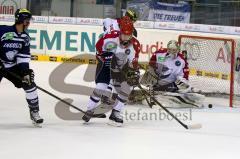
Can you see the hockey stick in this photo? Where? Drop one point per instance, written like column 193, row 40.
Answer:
column 60, row 99
column 184, row 101
column 65, row 102
column 148, row 102
column 194, row 126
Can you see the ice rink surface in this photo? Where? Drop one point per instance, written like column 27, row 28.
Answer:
column 219, row 138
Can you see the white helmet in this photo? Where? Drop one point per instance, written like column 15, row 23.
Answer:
column 173, row 47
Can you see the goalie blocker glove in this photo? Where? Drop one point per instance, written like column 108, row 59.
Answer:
column 182, row 84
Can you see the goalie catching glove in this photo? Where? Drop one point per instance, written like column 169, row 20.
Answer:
column 149, row 77
column 182, row 84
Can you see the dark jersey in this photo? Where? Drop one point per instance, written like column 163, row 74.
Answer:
column 14, row 47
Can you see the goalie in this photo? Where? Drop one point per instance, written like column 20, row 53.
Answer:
column 167, row 76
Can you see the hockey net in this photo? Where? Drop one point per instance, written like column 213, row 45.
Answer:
column 213, row 66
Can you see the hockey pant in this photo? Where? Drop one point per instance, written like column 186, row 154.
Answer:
column 30, row 90
column 102, row 81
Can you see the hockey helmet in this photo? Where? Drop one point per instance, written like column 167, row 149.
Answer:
column 126, row 26
column 126, row 30
column 173, row 47
column 131, row 14
column 21, row 15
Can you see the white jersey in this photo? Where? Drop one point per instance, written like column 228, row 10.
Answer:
column 110, row 25
column 169, row 69
column 111, row 43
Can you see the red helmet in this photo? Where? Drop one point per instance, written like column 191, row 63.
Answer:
column 126, row 25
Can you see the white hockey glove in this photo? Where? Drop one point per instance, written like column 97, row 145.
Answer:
column 182, row 84
column 149, row 77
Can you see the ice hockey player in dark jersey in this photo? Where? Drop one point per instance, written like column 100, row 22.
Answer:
column 15, row 57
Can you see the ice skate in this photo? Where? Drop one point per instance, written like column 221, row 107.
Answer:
column 116, row 118
column 36, row 119
column 86, row 118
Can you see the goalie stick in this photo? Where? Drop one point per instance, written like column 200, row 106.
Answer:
column 60, row 99
column 181, row 99
column 148, row 102
column 193, row 126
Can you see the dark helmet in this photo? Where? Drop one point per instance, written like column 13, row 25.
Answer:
column 131, row 14
column 21, row 15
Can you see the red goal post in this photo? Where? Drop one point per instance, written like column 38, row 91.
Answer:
column 212, row 64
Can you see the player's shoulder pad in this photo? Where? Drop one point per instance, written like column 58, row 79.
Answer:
column 161, row 51
column 118, row 20
column 26, row 38
column 27, row 35
column 3, row 26
column 6, row 28
column 136, row 44
column 113, row 34
column 181, row 56
column 135, row 41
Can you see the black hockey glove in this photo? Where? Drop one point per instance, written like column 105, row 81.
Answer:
column 132, row 76
column 28, row 76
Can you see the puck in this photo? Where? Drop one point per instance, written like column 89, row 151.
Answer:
column 209, row 105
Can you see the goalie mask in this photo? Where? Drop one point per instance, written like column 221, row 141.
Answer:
column 173, row 48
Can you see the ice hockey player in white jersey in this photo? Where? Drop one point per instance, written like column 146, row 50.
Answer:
column 15, row 57
column 110, row 25
column 168, row 72
column 122, row 49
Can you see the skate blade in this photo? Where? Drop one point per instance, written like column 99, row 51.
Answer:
column 38, row 125
column 195, row 126
column 113, row 123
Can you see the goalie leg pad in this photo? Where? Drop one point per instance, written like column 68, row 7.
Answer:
column 188, row 98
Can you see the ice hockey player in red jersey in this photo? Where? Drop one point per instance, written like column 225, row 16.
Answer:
column 110, row 25
column 168, row 72
column 120, row 51
column 170, row 67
